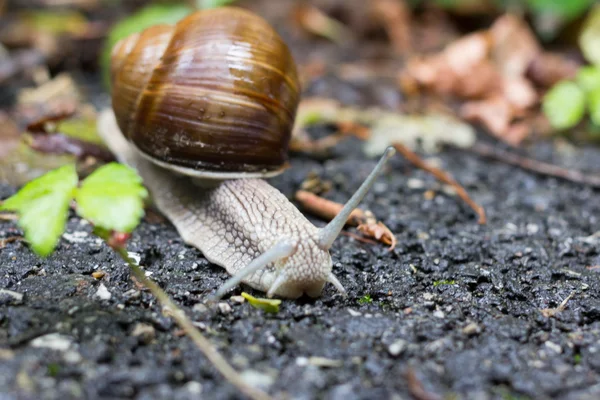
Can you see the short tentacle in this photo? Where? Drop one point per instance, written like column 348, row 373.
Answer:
column 280, row 280
column 282, row 249
column 331, row 278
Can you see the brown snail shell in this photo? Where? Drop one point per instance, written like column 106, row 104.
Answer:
column 213, row 96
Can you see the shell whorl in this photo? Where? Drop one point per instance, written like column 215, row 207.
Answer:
column 218, row 91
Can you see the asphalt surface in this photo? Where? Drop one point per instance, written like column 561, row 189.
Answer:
column 454, row 311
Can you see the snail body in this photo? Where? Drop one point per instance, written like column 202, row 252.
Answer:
column 211, row 194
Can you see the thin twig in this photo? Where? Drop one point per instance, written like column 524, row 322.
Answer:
column 8, row 216
column 551, row 312
column 326, row 209
column 444, row 177
column 5, row 241
column 415, row 387
column 211, row 353
column 365, row 221
column 530, row 164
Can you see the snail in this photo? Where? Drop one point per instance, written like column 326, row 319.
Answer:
column 203, row 110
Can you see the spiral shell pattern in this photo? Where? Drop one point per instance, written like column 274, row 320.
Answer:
column 218, row 91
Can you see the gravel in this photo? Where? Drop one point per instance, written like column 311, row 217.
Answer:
column 454, row 310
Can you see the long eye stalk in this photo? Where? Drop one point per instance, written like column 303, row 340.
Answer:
column 329, row 233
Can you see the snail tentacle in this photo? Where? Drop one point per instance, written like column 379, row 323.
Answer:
column 329, row 233
column 282, row 249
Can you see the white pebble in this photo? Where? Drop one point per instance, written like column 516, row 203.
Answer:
column 53, row 341
column 102, row 293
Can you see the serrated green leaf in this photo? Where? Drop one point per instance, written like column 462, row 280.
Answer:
column 267, row 305
column 204, row 4
column 112, row 197
column 589, row 39
column 42, row 206
column 564, row 105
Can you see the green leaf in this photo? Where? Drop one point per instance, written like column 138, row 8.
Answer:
column 204, row 4
column 112, row 197
column 366, row 299
column 594, row 106
column 564, row 105
column 43, row 206
column 589, row 39
column 566, row 9
column 588, row 78
column 148, row 16
column 267, row 305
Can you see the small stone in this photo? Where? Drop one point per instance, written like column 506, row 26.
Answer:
column 257, row 379
column 414, row 183
column 98, row 274
column 16, row 297
column 145, row 332
column 428, row 296
column 132, row 294
column 354, row 313
column 325, row 362
column 471, row 329
column 103, row 293
column 135, row 257
column 193, row 387
column 53, row 341
column 439, row 314
column 398, row 347
column 553, row 347
column 6, row 354
column 237, row 299
column 224, row 308
column 72, row 357
column 200, row 308
column 302, row 361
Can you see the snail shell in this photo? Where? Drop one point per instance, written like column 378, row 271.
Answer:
column 213, row 96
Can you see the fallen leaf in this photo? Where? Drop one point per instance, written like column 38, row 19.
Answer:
column 267, row 305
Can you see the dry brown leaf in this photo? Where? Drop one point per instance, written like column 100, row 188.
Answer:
column 514, row 45
column 546, row 69
column 495, row 113
column 396, row 18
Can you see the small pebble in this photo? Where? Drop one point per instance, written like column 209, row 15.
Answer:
column 72, row 357
column 553, row 346
column 16, row 296
column 302, row 361
column 439, row 314
column 53, row 341
column 325, row 362
column 237, row 299
column 98, row 274
column 224, row 308
column 200, row 308
column 103, row 293
column 471, row 329
column 193, row 387
column 354, row 313
column 398, row 347
column 145, row 332
column 257, row 379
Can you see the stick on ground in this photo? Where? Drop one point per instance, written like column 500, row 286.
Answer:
column 539, row 167
column 443, row 177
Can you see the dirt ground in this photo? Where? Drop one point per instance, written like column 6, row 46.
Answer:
column 457, row 310
column 453, row 311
